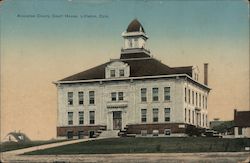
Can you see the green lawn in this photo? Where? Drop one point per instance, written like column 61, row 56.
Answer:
column 8, row 146
column 149, row 145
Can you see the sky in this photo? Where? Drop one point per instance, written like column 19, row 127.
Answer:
column 45, row 41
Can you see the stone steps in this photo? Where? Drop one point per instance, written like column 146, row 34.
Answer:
column 109, row 134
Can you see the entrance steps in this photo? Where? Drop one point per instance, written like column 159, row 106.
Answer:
column 109, row 134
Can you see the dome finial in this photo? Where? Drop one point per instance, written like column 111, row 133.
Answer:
column 135, row 26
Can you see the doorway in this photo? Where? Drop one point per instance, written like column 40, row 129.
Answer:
column 117, row 120
column 70, row 134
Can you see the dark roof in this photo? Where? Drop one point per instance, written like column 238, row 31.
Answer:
column 134, row 55
column 242, row 119
column 138, row 67
column 135, row 26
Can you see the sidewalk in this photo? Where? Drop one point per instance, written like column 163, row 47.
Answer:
column 45, row 146
column 218, row 157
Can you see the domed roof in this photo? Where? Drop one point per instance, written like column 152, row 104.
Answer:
column 135, row 26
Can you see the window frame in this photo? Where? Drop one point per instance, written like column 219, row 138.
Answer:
column 155, row 115
column 167, row 114
column 189, row 116
column 167, row 93
column 112, row 73
column 120, row 96
column 143, row 98
column 81, row 117
column 143, row 115
column 192, row 97
column 91, row 117
column 91, row 97
column 185, row 94
column 121, row 74
column 81, row 98
column 189, row 96
column 70, row 118
column 155, row 94
column 113, row 96
column 70, row 96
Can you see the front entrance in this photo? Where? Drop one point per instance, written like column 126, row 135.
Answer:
column 117, row 120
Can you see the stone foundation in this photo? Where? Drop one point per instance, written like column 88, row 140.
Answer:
column 63, row 131
column 175, row 128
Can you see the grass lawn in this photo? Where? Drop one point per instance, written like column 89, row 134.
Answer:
column 149, row 145
column 8, row 146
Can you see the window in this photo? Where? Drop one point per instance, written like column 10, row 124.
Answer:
column 193, row 97
column 206, row 102
column 199, row 100
column 167, row 132
column 120, row 96
column 196, row 99
column 144, row 94
column 113, row 96
column 203, row 100
column 143, row 115
column 70, row 98
column 91, row 97
column 185, row 115
column 185, row 94
column 155, row 94
column 92, row 117
column 167, row 93
column 136, row 42
column 80, row 98
column 189, row 96
column 121, row 73
column 112, row 73
column 206, row 121
column 155, row 115
column 130, row 43
column 81, row 117
column 203, row 120
column 167, row 114
column 70, row 118
column 239, row 130
column 189, row 116
column 193, row 116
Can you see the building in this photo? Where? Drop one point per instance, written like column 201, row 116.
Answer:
column 17, row 137
column 136, row 92
column 241, row 124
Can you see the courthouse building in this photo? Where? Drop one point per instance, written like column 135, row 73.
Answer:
column 136, row 93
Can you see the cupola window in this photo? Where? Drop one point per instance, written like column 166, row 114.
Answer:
column 112, row 73
column 121, row 73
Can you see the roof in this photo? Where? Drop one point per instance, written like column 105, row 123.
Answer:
column 134, row 55
column 139, row 67
column 135, row 26
column 242, row 119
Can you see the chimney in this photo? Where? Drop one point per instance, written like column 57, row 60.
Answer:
column 206, row 73
column 235, row 113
